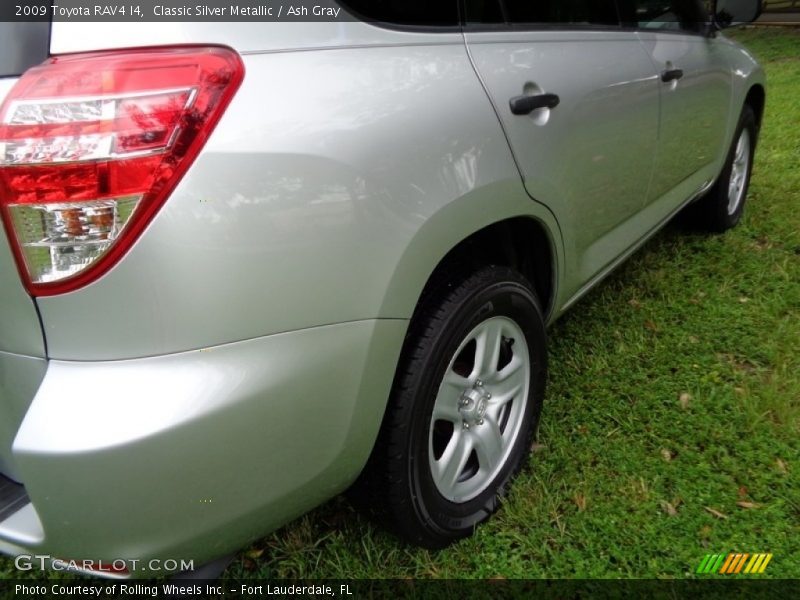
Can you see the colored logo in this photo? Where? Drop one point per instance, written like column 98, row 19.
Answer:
column 734, row 564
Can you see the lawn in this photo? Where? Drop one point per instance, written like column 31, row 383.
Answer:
column 672, row 416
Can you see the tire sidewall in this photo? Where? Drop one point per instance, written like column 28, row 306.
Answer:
column 746, row 122
column 511, row 298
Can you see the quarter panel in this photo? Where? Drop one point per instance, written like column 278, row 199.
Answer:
column 310, row 193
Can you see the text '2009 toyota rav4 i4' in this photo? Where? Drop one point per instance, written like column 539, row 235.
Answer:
column 247, row 266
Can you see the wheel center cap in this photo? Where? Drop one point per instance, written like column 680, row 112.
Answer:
column 474, row 402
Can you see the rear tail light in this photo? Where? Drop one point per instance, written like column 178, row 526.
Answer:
column 91, row 145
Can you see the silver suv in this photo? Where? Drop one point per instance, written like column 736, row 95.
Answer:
column 247, row 266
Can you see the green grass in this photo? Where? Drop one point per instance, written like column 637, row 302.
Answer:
column 672, row 416
column 627, row 475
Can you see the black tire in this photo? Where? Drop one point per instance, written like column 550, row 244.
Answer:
column 713, row 212
column 397, row 485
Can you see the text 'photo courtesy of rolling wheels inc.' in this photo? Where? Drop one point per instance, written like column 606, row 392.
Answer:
column 200, row 589
column 399, row 299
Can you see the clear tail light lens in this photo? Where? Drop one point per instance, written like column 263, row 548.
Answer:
column 91, row 145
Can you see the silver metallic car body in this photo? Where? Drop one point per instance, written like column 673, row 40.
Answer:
column 232, row 370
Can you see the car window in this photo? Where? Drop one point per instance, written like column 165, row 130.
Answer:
column 669, row 15
column 484, row 12
column 548, row 13
column 441, row 13
column 22, row 45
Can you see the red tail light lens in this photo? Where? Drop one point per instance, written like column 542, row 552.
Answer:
column 91, row 145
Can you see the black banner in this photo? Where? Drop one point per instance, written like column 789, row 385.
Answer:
column 72, row 589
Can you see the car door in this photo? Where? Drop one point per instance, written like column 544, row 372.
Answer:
column 588, row 151
column 695, row 95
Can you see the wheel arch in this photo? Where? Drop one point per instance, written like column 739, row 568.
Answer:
column 756, row 98
column 504, row 227
column 522, row 243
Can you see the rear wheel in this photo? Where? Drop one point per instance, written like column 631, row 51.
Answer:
column 722, row 207
column 464, row 409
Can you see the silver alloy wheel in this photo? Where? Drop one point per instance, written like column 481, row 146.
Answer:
column 479, row 409
column 739, row 171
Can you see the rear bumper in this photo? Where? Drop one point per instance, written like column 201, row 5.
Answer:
column 20, row 377
column 191, row 456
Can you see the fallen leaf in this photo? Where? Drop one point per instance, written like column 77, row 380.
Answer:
column 694, row 339
column 635, row 303
column 667, row 455
column 744, row 300
column 669, row 509
column 537, row 447
column 580, row 502
column 255, row 553
column 744, row 365
column 651, row 326
column 743, row 504
column 685, row 399
column 762, row 243
column 742, row 491
column 705, row 531
column 740, row 391
column 716, row 513
column 782, row 466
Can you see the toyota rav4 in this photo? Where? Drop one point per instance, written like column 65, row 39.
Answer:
column 247, row 266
